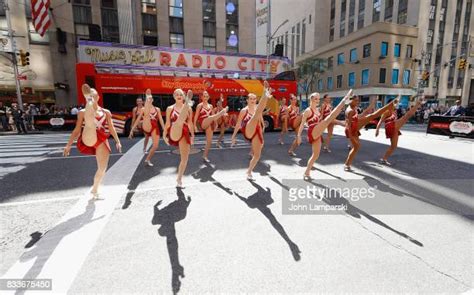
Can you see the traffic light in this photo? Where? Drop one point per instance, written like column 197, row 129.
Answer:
column 462, row 64
column 425, row 76
column 24, row 58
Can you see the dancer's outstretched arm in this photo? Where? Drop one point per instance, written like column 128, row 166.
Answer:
column 306, row 114
column 75, row 133
column 134, row 125
column 112, row 130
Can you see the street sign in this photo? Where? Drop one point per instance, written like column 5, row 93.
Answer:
column 5, row 44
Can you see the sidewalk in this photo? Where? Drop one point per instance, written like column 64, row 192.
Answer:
column 16, row 133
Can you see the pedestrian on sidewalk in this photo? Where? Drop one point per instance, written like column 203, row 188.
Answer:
column 3, row 117
column 19, row 118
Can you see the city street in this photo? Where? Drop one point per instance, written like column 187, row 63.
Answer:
column 223, row 233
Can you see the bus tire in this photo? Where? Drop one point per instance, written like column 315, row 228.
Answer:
column 126, row 129
column 268, row 121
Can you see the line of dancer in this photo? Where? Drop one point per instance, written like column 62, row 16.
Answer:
column 94, row 125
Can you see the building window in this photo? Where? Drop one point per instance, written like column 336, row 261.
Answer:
column 176, row 8
column 376, row 11
column 320, row 84
column 35, row 37
column 402, row 11
column 353, row 55
column 286, row 44
column 351, row 16
column 429, row 38
column 110, row 24
column 409, row 51
column 365, row 77
column 382, row 75
column 293, row 44
column 351, row 79
column 340, row 58
column 209, row 44
column 303, row 36
column 331, row 22
column 384, row 49
column 396, row 50
column 330, row 85
column 209, row 10
column 149, row 22
column 177, row 40
column 232, row 25
column 395, row 73
column 209, row 29
column 330, row 62
column 342, row 27
column 339, row 81
column 367, row 48
column 150, row 40
column 297, row 39
column 388, row 10
column 176, row 25
column 360, row 18
column 309, row 19
column 406, row 77
column 81, row 11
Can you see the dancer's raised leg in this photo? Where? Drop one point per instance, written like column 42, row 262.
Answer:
column 213, row 118
column 146, row 111
column 411, row 112
column 365, row 120
column 177, row 127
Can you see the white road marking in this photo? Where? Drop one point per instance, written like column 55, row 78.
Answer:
column 21, row 203
column 60, row 253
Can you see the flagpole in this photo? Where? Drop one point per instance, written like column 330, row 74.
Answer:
column 14, row 60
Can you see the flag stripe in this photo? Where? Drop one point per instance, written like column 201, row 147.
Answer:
column 40, row 14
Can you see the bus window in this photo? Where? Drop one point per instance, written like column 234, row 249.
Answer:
column 163, row 101
column 196, row 100
column 286, row 76
column 236, row 103
column 116, row 102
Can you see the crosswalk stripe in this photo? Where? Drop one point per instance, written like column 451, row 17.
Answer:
column 60, row 253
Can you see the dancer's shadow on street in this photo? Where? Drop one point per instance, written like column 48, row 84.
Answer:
column 336, row 199
column 167, row 217
column 48, row 242
column 142, row 174
column 261, row 200
column 204, row 174
column 264, row 169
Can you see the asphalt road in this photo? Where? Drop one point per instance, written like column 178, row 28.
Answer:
column 226, row 234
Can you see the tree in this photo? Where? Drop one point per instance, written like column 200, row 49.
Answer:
column 308, row 71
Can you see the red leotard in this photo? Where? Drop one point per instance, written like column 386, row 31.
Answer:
column 154, row 123
column 258, row 129
column 203, row 114
column 185, row 133
column 390, row 125
column 293, row 114
column 283, row 110
column 326, row 110
column 312, row 122
column 353, row 129
column 102, row 137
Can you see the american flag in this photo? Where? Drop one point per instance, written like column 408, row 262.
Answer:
column 39, row 11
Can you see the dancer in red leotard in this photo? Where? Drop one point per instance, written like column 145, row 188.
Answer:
column 223, row 121
column 250, row 123
column 356, row 121
column 316, row 125
column 393, row 126
column 283, row 117
column 179, row 129
column 206, row 121
column 92, row 138
column 294, row 122
column 150, row 125
column 135, row 113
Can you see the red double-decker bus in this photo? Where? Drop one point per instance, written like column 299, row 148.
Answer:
column 118, row 91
